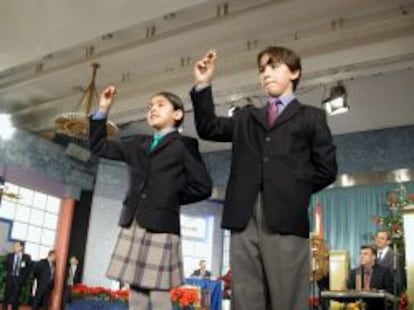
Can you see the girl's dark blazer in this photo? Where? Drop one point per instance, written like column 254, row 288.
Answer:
column 173, row 174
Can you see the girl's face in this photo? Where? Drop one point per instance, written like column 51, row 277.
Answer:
column 161, row 113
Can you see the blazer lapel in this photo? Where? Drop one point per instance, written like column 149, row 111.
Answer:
column 165, row 141
column 260, row 114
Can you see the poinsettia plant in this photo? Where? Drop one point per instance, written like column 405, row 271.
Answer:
column 392, row 220
column 81, row 291
column 185, row 297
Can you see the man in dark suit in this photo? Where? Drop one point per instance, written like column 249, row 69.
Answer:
column 44, row 274
column 386, row 257
column 73, row 277
column 18, row 268
column 370, row 276
column 202, row 271
column 282, row 153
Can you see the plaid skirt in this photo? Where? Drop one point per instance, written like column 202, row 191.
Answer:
column 147, row 260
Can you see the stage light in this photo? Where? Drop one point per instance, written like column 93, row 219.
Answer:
column 336, row 103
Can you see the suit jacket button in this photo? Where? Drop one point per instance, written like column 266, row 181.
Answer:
column 268, row 139
column 266, row 159
column 143, row 195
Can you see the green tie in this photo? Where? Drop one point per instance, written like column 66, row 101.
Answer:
column 155, row 140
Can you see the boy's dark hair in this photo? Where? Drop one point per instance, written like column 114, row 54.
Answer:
column 176, row 102
column 369, row 247
column 279, row 54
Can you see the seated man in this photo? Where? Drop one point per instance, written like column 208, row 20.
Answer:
column 202, row 272
column 370, row 276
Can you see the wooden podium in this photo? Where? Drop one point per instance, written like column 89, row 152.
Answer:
column 339, row 267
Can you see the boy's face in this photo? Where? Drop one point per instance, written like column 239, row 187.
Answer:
column 276, row 78
column 161, row 113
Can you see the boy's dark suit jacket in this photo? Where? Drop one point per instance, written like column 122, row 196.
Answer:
column 25, row 267
column 42, row 274
column 287, row 163
column 173, row 174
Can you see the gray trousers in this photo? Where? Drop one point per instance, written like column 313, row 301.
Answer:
column 140, row 299
column 269, row 271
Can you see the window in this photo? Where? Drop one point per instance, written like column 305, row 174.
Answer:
column 35, row 218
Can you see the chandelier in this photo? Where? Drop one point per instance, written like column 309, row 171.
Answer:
column 4, row 192
column 76, row 124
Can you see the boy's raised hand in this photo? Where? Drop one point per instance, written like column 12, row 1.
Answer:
column 106, row 99
column 204, row 69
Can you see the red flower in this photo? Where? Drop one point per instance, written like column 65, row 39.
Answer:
column 396, row 228
column 81, row 291
column 184, row 297
column 403, row 302
column 376, row 219
column 313, row 302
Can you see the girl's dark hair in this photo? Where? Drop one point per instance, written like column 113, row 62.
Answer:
column 175, row 101
column 279, row 54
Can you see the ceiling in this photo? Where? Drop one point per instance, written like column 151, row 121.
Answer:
column 147, row 46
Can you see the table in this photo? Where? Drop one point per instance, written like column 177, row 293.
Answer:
column 96, row 305
column 210, row 287
column 353, row 296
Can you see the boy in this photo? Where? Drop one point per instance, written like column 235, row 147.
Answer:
column 165, row 172
column 287, row 149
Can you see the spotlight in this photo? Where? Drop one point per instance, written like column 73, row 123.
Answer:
column 6, row 127
column 336, row 103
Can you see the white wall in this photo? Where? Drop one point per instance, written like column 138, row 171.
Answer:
column 103, row 228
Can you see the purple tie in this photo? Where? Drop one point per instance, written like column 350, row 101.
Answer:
column 272, row 111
